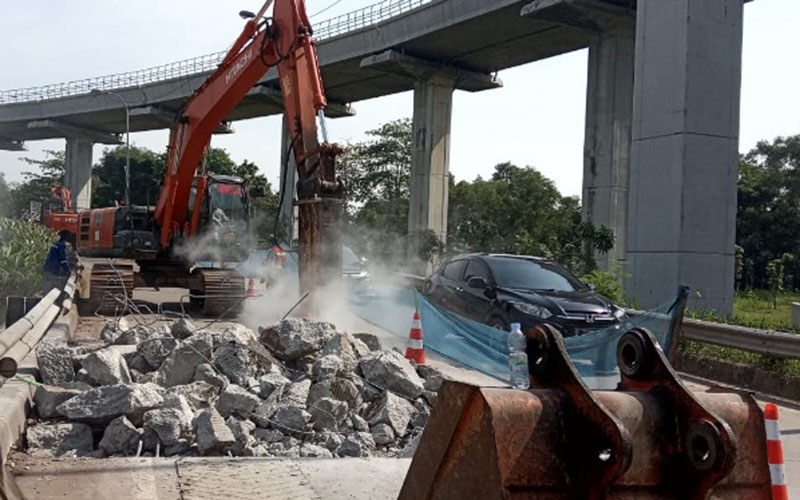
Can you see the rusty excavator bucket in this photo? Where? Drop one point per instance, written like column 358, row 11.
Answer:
column 650, row 438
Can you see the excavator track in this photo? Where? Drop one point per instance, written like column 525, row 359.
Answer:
column 222, row 291
column 110, row 289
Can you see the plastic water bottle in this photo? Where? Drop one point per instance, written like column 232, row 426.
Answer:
column 517, row 358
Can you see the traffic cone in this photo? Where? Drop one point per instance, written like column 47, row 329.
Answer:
column 777, row 472
column 251, row 288
column 415, row 349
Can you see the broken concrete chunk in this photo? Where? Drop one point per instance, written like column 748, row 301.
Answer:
column 383, row 434
column 48, row 397
column 327, row 414
column 138, row 334
column 110, row 332
column 420, row 419
column 359, row 444
column 268, row 435
column 182, row 329
column 327, row 367
column 338, row 388
column 359, row 423
column 389, row 370
column 347, row 348
column 206, row 373
column 155, row 350
column 213, row 434
column 291, row 420
column 179, row 367
column 233, row 360
column 137, row 362
column 294, row 338
column 55, row 362
column 235, row 400
column 430, row 397
column 433, row 377
column 107, row 367
column 392, row 410
column 297, row 393
column 103, row 404
column 120, row 438
column 315, row 451
column 180, row 403
column 370, row 340
column 169, row 424
column 243, row 433
column 270, row 382
column 60, row 439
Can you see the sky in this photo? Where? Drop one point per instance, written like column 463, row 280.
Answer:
column 536, row 119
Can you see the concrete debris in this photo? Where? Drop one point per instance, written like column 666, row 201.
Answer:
column 420, row 419
column 197, row 394
column 48, row 397
column 271, row 382
column 359, row 423
column 213, row 434
column 121, row 437
column 347, row 348
column 235, row 400
column 103, row 404
column 297, row 393
column 155, row 350
column 246, row 443
column 60, row 439
column 392, row 410
column 294, row 338
column 383, row 434
column 291, row 420
column 139, row 334
column 183, row 329
column 169, row 424
column 55, row 362
column 327, row 414
column 370, row 340
column 315, row 451
column 206, row 373
column 107, row 367
column 137, row 362
column 433, row 377
column 338, row 388
column 268, row 435
column 233, row 360
column 328, row 366
column 430, row 397
column 110, row 332
column 332, row 440
column 179, row 367
column 358, row 444
column 389, row 370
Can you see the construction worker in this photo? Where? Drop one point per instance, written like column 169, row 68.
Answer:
column 56, row 267
column 279, row 258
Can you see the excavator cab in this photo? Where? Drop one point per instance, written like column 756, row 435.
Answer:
column 224, row 218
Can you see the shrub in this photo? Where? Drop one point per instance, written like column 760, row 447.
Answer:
column 23, row 250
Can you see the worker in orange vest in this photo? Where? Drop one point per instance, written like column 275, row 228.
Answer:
column 280, row 253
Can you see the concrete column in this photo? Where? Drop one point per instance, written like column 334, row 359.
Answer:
column 287, row 217
column 430, row 159
column 685, row 150
column 78, row 171
column 606, row 154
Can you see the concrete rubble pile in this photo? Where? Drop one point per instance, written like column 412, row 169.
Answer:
column 299, row 388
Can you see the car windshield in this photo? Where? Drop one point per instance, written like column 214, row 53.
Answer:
column 528, row 274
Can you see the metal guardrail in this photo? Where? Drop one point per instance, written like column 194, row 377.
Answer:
column 775, row 344
column 351, row 21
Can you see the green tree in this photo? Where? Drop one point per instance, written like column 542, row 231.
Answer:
column 5, row 196
column 36, row 185
column 147, row 172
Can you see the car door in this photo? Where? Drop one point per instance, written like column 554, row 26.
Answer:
column 451, row 280
column 475, row 302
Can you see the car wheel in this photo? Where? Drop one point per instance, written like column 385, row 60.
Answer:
column 498, row 323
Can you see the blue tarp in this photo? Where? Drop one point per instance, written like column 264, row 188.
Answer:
column 485, row 349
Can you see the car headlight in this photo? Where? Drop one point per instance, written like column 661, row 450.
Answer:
column 619, row 313
column 532, row 310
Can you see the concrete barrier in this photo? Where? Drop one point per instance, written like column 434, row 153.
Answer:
column 796, row 315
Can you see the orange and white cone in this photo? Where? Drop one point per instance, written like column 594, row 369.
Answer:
column 415, row 349
column 777, row 470
column 251, row 288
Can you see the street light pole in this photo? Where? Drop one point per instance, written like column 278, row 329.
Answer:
column 127, row 141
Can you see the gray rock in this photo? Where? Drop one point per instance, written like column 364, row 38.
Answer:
column 297, row 393
column 294, row 338
column 198, row 394
column 48, row 397
column 236, row 401
column 304, row 365
column 213, row 434
column 383, row 434
column 392, row 410
column 327, row 414
column 312, row 450
column 55, row 362
column 420, row 419
column 183, row 329
column 327, row 367
column 390, row 370
column 411, row 448
column 180, row 403
column 60, row 439
column 370, row 340
column 359, row 423
column 110, row 332
column 270, row 382
column 430, row 397
column 103, row 404
column 243, row 433
column 433, row 377
column 183, row 447
column 179, row 367
column 137, row 362
column 268, row 435
column 155, row 350
column 169, row 424
column 347, row 348
column 337, row 388
column 120, row 438
column 138, row 334
column 359, row 444
column 206, row 373
column 291, row 420
column 107, row 367
column 333, row 441
column 262, row 413
column 234, row 361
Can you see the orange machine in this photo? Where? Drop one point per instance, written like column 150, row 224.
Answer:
column 56, row 211
column 205, row 217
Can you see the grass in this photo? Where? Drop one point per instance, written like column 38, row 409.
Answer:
column 754, row 308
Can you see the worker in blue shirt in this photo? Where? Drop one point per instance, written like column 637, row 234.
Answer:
column 56, row 267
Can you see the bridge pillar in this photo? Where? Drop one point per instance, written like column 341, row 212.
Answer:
column 430, row 156
column 78, row 171
column 685, row 150
column 606, row 155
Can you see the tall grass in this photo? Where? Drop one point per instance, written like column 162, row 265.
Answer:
column 23, row 250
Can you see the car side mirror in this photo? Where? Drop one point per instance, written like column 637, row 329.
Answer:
column 478, row 282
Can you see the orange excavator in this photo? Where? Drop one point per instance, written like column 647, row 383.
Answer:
column 56, row 212
column 206, row 217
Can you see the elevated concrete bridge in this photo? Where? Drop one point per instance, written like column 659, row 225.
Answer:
column 661, row 129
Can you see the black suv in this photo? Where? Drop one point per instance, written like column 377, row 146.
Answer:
column 502, row 289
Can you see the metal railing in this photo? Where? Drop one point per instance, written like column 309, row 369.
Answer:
column 351, row 21
column 775, row 344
